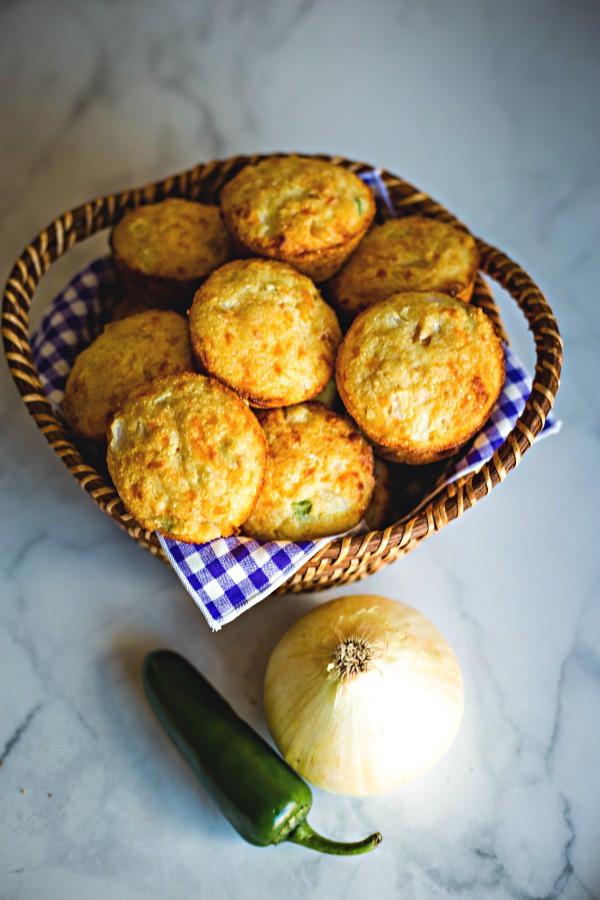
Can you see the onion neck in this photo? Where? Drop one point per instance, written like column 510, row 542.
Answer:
column 351, row 657
column 303, row 834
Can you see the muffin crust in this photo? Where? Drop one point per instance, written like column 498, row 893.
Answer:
column 187, row 457
column 378, row 514
column 122, row 307
column 129, row 352
column 319, row 475
column 165, row 250
column 409, row 254
column 306, row 212
column 263, row 329
column 420, row 373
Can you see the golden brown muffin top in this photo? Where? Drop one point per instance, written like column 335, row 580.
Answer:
column 292, row 206
column 129, row 352
column 410, row 254
column 187, row 457
column 319, row 475
column 420, row 372
column 263, row 329
column 175, row 239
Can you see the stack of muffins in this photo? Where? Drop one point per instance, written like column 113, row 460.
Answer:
column 229, row 419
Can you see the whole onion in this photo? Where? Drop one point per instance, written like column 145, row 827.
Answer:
column 362, row 695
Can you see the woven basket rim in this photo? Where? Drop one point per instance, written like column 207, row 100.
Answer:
column 343, row 559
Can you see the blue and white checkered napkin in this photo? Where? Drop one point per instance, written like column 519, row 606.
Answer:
column 229, row 575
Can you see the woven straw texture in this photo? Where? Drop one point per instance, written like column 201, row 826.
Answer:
column 343, row 560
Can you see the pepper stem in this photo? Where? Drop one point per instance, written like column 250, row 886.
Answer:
column 303, row 834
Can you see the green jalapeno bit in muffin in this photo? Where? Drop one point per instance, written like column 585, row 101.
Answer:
column 319, row 475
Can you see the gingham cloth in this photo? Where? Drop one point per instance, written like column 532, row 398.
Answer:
column 227, row 576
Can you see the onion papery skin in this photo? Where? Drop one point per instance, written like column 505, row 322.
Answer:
column 377, row 730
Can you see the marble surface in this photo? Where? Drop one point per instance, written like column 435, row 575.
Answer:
column 492, row 108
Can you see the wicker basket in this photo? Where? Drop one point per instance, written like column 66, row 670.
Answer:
column 343, row 560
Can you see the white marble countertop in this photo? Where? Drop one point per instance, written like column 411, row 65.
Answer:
column 492, row 108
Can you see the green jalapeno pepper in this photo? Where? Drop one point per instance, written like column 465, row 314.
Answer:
column 263, row 798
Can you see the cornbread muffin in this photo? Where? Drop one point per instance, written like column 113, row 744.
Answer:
column 378, row 514
column 306, row 212
column 411, row 254
column 420, row 373
column 263, row 329
column 319, row 475
column 187, row 457
column 165, row 251
column 127, row 353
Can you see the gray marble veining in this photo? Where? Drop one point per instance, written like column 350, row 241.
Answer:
column 493, row 109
